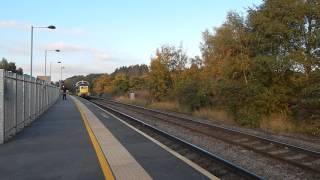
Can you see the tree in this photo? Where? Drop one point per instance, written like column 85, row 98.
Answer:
column 250, row 84
column 227, row 50
column 120, row 84
column 160, row 81
column 10, row 66
column 174, row 58
column 196, row 61
column 19, row 71
column 102, row 84
column 288, row 29
column 131, row 71
column 138, row 83
column 285, row 39
column 193, row 89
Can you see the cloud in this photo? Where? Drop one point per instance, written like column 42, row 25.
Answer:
column 74, row 31
column 14, row 24
column 18, row 49
column 65, row 47
column 97, row 54
column 70, row 69
column 100, row 55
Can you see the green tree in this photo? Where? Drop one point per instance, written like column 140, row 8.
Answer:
column 285, row 39
column 159, row 79
column 138, row 83
column 10, row 66
column 120, row 84
column 287, row 29
column 131, row 71
column 193, row 90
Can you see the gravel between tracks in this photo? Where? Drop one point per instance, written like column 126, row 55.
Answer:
column 298, row 140
column 266, row 167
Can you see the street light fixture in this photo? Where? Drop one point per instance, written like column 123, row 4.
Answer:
column 31, row 49
column 51, row 27
column 60, row 81
column 45, row 61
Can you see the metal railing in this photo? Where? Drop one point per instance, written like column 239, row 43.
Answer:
column 22, row 100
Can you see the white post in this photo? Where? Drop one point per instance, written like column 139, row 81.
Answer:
column 15, row 115
column 24, row 100
column 2, row 130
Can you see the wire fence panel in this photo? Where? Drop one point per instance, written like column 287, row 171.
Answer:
column 22, row 100
column 27, row 101
column 9, row 102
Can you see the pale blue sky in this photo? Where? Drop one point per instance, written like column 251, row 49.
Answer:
column 98, row 36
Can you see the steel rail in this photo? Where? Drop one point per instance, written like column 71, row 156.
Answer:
column 276, row 144
column 229, row 165
column 298, row 148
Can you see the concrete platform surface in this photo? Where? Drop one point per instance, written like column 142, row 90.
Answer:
column 75, row 139
column 157, row 162
column 121, row 163
column 55, row 146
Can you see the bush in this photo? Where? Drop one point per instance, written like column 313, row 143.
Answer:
column 192, row 90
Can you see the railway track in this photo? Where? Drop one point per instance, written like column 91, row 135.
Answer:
column 212, row 163
column 298, row 156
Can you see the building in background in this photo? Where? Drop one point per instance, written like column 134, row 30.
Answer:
column 45, row 78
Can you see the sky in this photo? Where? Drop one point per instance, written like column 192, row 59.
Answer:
column 97, row 36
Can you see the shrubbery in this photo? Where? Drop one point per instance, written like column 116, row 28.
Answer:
column 252, row 67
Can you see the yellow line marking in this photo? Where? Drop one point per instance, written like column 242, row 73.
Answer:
column 174, row 153
column 102, row 160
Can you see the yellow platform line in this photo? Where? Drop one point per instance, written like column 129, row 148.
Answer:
column 102, row 159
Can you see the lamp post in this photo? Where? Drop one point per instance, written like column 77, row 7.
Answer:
column 31, row 49
column 45, row 61
column 50, row 68
column 61, row 67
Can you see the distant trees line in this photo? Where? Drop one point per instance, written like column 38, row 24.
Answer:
column 10, row 66
column 252, row 67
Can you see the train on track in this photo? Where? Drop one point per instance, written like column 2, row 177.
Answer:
column 82, row 89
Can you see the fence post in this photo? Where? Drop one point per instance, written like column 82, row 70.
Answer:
column 29, row 99
column 23, row 100
column 2, row 130
column 15, row 87
column 36, row 98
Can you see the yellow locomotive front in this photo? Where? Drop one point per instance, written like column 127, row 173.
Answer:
column 82, row 89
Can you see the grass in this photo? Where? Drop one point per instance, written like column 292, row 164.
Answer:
column 166, row 105
column 214, row 114
column 136, row 101
column 276, row 123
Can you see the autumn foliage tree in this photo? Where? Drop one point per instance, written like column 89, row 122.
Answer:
column 160, row 82
column 264, row 64
column 253, row 66
column 102, row 84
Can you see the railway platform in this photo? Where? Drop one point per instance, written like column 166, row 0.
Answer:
column 75, row 139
